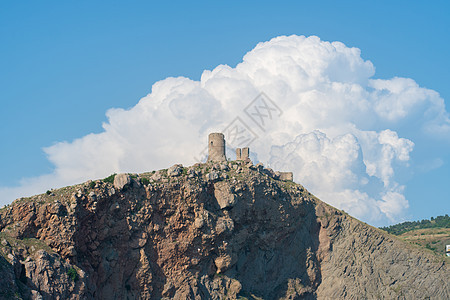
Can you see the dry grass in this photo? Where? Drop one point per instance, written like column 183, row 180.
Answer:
column 434, row 239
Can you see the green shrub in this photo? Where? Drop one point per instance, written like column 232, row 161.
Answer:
column 48, row 192
column 428, row 246
column 92, row 184
column 145, row 181
column 72, row 273
column 438, row 222
column 110, row 178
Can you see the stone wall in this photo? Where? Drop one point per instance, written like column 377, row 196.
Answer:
column 243, row 154
column 289, row 176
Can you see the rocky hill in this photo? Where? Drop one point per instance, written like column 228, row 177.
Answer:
column 227, row 230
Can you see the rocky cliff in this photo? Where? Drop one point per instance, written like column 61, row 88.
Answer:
column 210, row 231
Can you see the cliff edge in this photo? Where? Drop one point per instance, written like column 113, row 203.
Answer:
column 220, row 230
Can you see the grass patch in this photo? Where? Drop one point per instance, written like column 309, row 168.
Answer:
column 110, row 178
column 27, row 243
column 433, row 239
column 73, row 274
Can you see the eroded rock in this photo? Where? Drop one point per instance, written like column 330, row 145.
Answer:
column 224, row 195
column 175, row 170
column 121, row 180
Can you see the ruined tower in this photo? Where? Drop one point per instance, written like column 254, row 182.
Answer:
column 287, row 176
column 243, row 154
column 216, row 147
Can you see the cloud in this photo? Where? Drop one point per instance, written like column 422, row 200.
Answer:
column 344, row 134
column 335, row 170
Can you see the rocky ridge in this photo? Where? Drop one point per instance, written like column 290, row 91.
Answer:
column 225, row 230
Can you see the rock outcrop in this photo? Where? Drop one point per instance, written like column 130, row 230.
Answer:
column 220, row 230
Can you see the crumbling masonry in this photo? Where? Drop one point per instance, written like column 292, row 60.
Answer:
column 243, row 154
column 216, row 153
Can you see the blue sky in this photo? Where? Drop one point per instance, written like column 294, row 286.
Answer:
column 63, row 65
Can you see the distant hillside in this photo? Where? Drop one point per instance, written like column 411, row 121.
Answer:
column 432, row 234
column 438, row 222
column 433, row 239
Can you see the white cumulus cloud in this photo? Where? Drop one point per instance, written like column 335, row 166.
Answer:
column 344, row 134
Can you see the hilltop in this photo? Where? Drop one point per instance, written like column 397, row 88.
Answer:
column 438, row 222
column 431, row 234
column 219, row 230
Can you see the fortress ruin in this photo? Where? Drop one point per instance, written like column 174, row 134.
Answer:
column 216, row 147
column 243, row 154
column 287, row 176
column 216, row 153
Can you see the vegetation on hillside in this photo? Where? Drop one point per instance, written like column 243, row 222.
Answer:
column 433, row 239
column 438, row 222
column 110, row 178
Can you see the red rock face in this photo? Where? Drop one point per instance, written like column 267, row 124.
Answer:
column 191, row 235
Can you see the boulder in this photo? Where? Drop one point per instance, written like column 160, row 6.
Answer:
column 224, row 262
column 212, row 176
column 175, row 170
column 223, row 194
column 121, row 180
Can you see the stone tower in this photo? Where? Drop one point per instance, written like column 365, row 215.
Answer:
column 243, row 154
column 216, row 147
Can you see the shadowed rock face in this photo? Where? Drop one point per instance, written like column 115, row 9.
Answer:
column 190, row 235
